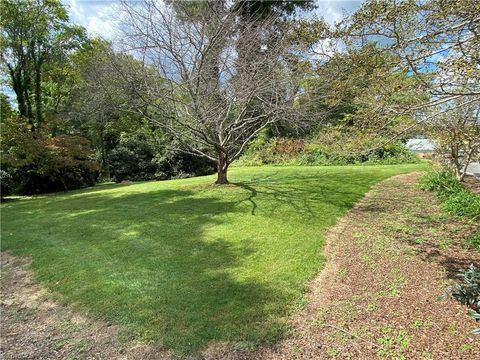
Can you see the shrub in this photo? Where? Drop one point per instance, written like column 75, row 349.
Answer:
column 38, row 163
column 463, row 203
column 140, row 156
column 474, row 241
column 288, row 147
column 178, row 165
column 132, row 160
column 441, row 182
column 456, row 199
column 6, row 183
column 332, row 147
column 391, row 154
column 467, row 292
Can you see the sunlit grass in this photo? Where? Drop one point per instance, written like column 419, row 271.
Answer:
column 181, row 263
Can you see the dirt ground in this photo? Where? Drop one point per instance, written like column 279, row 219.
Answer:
column 33, row 327
column 389, row 259
column 472, row 183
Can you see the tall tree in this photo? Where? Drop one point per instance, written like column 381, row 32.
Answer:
column 101, row 104
column 208, row 90
column 436, row 43
column 33, row 34
column 6, row 110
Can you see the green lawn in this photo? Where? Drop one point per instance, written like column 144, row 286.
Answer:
column 181, row 263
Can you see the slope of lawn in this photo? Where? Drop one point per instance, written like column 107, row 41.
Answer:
column 180, row 263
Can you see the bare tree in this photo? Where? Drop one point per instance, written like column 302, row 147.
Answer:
column 457, row 136
column 210, row 99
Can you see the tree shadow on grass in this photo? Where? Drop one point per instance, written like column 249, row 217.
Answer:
column 149, row 260
column 304, row 196
column 151, row 268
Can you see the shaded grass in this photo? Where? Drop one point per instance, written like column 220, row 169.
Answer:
column 181, row 263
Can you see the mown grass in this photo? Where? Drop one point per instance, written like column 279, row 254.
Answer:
column 181, row 263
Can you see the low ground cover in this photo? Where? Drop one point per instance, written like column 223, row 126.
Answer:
column 457, row 198
column 182, row 263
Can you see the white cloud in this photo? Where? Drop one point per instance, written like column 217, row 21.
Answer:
column 333, row 10
column 98, row 17
column 75, row 8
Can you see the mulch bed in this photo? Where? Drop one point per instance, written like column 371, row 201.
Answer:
column 472, row 183
column 389, row 259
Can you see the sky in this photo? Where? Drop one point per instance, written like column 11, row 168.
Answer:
column 98, row 16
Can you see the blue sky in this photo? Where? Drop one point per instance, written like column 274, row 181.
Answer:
column 98, row 16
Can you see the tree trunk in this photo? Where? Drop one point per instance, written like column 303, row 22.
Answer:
column 454, row 153
column 19, row 92
column 26, row 89
column 468, row 159
column 222, row 168
column 458, row 173
column 38, row 95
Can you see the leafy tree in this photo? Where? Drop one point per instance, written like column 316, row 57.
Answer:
column 435, row 41
column 436, row 44
column 33, row 35
column 6, row 109
column 101, row 103
column 40, row 163
column 362, row 94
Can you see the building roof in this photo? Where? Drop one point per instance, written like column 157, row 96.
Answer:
column 420, row 145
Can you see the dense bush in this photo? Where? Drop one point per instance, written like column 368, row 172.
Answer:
column 6, row 183
column 390, row 154
column 38, row 163
column 456, row 199
column 177, row 165
column 463, row 203
column 441, row 182
column 284, row 151
column 140, row 156
column 132, row 160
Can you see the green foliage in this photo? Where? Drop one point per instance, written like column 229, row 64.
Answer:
column 35, row 35
column 181, row 263
column 6, row 109
column 6, row 183
column 441, row 182
column 474, row 241
column 456, row 199
column 463, row 203
column 38, row 163
column 467, row 292
column 285, row 151
column 390, row 154
column 132, row 159
column 393, row 343
column 180, row 165
column 143, row 155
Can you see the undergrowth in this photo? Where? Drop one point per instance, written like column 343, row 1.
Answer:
column 456, row 199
